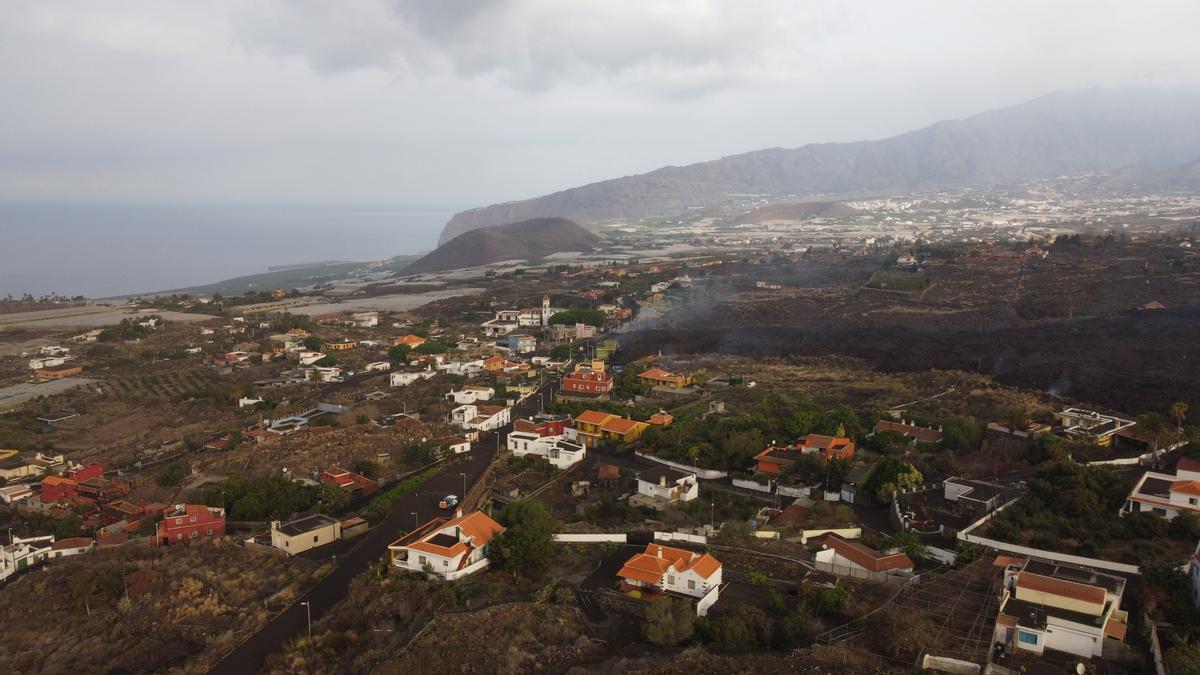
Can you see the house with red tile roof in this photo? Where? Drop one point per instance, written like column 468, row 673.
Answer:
column 448, row 547
column 839, row 552
column 776, row 458
column 674, row 570
column 592, row 427
column 186, row 523
column 657, row 377
column 910, row 431
column 1049, row 605
column 349, row 481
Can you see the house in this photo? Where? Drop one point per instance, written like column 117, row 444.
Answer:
column 465, row 368
column 481, row 417
column 471, row 394
column 15, row 493
column 73, row 546
column 82, row 472
column 365, row 319
column 186, row 523
column 448, row 547
column 44, row 362
column 341, row 345
column 608, row 475
column 377, row 366
column 906, row 260
column 1047, row 605
column 410, row 341
column 593, row 427
column 911, row 431
column 309, row 358
column 671, row 570
column 58, row 372
column 977, row 497
column 586, row 383
column 57, row 489
column 544, row 424
column 664, row 485
column 452, row 445
column 521, row 343
column 657, row 377
column 22, row 553
column 305, row 533
column 775, row 459
column 1091, row 426
column 406, row 378
column 839, row 552
column 560, row 452
column 1165, row 494
column 349, row 481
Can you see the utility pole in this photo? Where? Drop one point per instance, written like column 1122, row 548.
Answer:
column 308, row 612
column 464, row 477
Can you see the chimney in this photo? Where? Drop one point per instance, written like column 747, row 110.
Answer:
column 458, row 512
column 658, row 551
column 662, row 481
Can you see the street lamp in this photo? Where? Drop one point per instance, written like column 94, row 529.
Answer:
column 464, row 477
column 416, row 522
column 308, row 613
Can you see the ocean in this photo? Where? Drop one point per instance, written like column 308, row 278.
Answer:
column 108, row 249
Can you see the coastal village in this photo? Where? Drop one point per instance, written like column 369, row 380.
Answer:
column 497, row 461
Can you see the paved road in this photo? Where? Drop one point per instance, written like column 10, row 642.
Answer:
column 250, row 656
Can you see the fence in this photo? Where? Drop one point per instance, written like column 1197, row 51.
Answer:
column 844, row 532
column 680, row 536
column 469, row 569
column 860, row 573
column 707, row 601
column 1051, row 555
column 705, row 474
column 590, row 538
column 785, row 491
column 747, row 484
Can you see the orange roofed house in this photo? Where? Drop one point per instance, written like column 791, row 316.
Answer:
column 776, row 458
column 592, row 427
column 448, row 547
column 1167, row 495
column 674, row 570
column 842, row 553
column 1047, row 605
column 657, row 377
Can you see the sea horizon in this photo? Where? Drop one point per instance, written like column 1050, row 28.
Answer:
column 114, row 249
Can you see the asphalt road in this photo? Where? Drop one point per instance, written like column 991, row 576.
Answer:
column 250, row 655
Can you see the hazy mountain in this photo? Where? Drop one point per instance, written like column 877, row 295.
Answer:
column 1061, row 133
column 526, row 240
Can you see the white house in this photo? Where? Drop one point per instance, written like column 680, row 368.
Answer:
column 377, row 366
column 557, row 450
column 247, row 401
column 667, row 484
column 309, row 358
column 73, row 546
column 840, row 553
column 673, row 570
column 1165, row 494
column 471, row 394
column 406, row 378
column 20, row 554
column 365, row 319
column 15, row 493
column 450, row 548
column 1070, row 609
column 47, row 362
column 306, row 533
column 466, row 368
column 481, row 417
column 326, row 373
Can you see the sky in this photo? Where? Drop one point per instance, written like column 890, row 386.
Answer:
column 478, row 101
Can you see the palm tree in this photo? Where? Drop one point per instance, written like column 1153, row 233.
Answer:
column 1179, row 411
column 1153, row 427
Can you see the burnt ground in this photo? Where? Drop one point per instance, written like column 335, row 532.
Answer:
column 1140, row 361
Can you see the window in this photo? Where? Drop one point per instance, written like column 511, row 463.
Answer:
column 691, row 584
column 445, row 563
column 179, row 521
column 179, row 537
column 670, row 579
column 315, row 538
column 1193, row 501
column 193, row 519
column 421, row 560
column 209, row 533
column 1027, row 637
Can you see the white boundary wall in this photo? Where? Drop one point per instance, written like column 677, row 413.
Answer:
column 704, row 474
column 590, row 538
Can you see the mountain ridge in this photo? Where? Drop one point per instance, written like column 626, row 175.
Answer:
column 1056, row 134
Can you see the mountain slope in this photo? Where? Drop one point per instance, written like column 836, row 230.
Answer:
column 525, row 240
column 1061, row 133
column 796, row 211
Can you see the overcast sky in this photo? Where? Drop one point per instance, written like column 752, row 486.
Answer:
column 476, row 101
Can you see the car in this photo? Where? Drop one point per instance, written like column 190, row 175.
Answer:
column 448, row 502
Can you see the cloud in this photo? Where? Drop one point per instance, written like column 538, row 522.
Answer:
column 537, row 45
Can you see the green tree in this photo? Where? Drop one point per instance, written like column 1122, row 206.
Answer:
column 1153, row 428
column 829, row 601
column 332, row 497
column 314, row 343
column 592, row 317
column 399, row 353
column 907, row 542
column 431, row 347
column 669, row 621
column 1179, row 411
column 561, row 352
column 527, row 545
column 961, row 434
column 171, row 474
column 890, row 474
column 1183, row 660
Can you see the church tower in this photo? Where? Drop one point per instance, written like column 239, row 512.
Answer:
column 545, row 310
